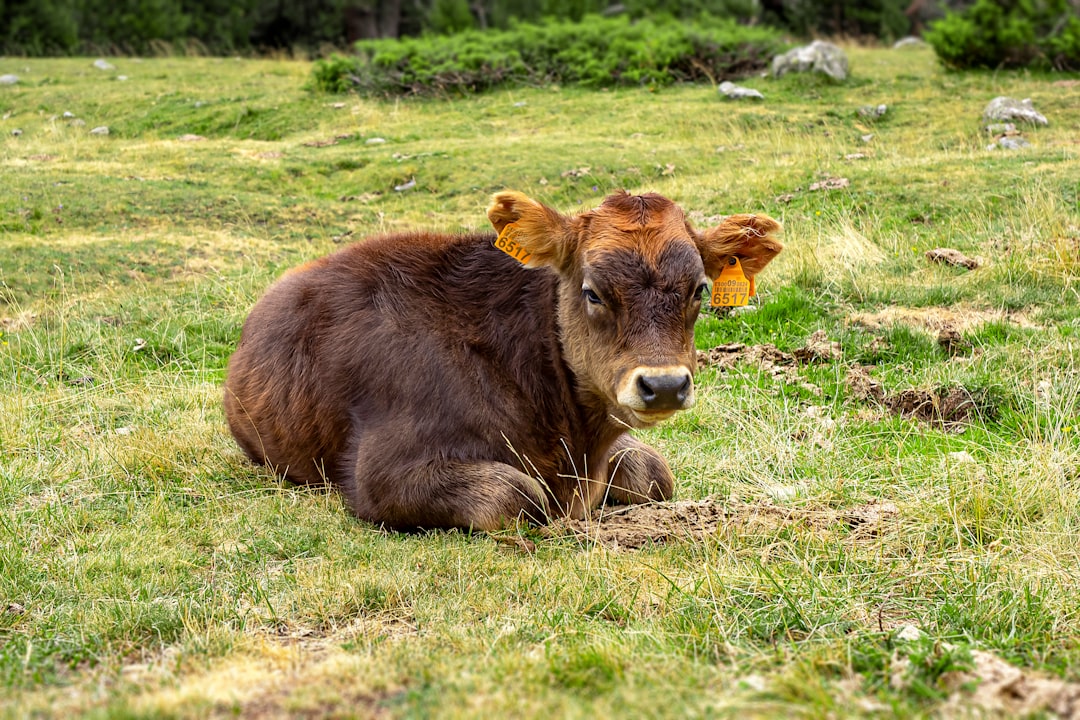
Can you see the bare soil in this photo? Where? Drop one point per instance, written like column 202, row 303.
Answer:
column 636, row 526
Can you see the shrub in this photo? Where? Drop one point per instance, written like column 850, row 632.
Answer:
column 1009, row 34
column 596, row 52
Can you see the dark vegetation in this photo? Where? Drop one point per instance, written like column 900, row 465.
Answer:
column 596, row 52
column 1040, row 34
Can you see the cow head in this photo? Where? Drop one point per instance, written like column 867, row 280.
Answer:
column 633, row 275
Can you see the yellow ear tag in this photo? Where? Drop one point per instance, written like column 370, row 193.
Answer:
column 508, row 245
column 732, row 289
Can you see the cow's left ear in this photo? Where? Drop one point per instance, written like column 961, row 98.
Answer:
column 545, row 234
column 751, row 238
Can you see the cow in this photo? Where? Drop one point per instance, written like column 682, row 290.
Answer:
column 438, row 381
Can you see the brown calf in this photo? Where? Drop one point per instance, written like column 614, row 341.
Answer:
column 438, row 382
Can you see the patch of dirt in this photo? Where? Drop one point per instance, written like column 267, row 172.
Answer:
column 1010, row 691
column 636, row 526
column 953, row 407
column 948, row 256
column 936, row 319
column 779, row 364
column 830, row 184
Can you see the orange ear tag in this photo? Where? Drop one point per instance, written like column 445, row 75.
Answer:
column 508, row 245
column 732, row 289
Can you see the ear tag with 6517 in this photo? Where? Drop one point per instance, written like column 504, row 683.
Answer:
column 731, row 288
column 508, row 245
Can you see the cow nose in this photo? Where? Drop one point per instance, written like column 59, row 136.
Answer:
column 668, row 391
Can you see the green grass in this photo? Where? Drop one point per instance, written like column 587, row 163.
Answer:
column 146, row 569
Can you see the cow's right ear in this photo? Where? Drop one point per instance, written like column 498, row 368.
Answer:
column 751, row 238
column 545, row 234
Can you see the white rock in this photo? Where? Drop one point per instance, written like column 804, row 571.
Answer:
column 1007, row 108
column 100, row 130
column 738, row 92
column 8, row 79
column 375, row 141
column 909, row 633
column 104, row 65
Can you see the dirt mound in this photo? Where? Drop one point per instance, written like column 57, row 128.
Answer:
column 637, row 526
column 952, row 406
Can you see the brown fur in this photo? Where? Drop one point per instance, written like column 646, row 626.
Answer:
column 438, row 383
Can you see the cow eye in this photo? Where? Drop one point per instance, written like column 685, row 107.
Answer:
column 591, row 296
column 701, row 290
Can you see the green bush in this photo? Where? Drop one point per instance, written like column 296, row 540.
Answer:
column 597, row 52
column 1039, row 34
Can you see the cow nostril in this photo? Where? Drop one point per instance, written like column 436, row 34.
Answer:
column 645, row 390
column 684, row 389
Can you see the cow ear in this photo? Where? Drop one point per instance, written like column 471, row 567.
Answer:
column 544, row 233
column 751, row 238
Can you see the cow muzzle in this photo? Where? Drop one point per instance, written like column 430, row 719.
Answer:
column 653, row 394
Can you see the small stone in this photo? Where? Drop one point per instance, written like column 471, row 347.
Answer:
column 15, row 609
column 873, row 112
column 520, row 103
column 738, row 92
column 909, row 633
column 1007, row 108
column 949, row 256
column 198, row 104
column 104, row 65
column 375, row 141
column 407, row 186
column 866, row 138
column 16, row 132
column 100, row 130
column 188, row 137
column 8, row 79
column 1001, row 129
column 855, row 156
column 121, row 78
column 68, row 115
column 1011, row 142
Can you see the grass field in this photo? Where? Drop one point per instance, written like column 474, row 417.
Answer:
column 866, row 562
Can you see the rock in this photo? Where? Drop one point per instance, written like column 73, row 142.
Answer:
column 16, row 132
column 830, row 184
column 1006, row 108
column 909, row 42
column 1001, row 129
column 951, row 257
column 8, row 79
column 1011, row 143
column 68, row 115
column 100, row 130
column 873, row 112
column 189, row 137
column 407, row 186
column 375, row 141
column 104, row 65
column 738, row 92
column 818, row 56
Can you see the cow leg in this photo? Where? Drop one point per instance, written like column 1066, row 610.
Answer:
column 638, row 473
column 480, row 495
